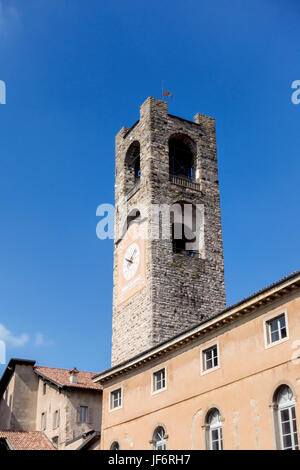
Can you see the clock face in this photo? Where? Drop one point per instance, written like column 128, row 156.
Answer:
column 131, row 266
column 131, row 261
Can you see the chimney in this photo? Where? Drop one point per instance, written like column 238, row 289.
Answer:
column 74, row 376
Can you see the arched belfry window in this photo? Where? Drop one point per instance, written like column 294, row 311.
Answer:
column 286, row 418
column 214, row 430
column 132, row 165
column 159, row 439
column 182, row 154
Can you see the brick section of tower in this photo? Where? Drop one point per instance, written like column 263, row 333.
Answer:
column 181, row 290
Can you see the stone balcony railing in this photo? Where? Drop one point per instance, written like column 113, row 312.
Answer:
column 186, row 182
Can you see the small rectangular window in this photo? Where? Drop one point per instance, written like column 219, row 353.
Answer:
column 210, row 358
column 83, row 414
column 116, row 399
column 44, row 388
column 44, row 421
column 159, row 380
column 56, row 419
column 276, row 329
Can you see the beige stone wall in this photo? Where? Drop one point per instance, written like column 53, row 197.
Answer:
column 67, row 402
column 6, row 406
column 180, row 291
column 242, row 388
column 18, row 405
column 23, row 403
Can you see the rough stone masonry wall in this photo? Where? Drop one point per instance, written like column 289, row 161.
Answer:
column 181, row 290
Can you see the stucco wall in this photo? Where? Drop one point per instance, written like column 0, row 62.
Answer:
column 242, row 389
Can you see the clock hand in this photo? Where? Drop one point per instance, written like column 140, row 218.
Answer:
column 129, row 260
column 133, row 254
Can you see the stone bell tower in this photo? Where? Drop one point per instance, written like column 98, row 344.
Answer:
column 164, row 285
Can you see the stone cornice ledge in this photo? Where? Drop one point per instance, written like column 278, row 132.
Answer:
column 229, row 315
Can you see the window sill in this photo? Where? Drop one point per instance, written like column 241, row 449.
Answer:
column 115, row 409
column 208, row 371
column 155, row 392
column 276, row 343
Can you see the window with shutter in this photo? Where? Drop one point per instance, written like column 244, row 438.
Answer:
column 83, row 414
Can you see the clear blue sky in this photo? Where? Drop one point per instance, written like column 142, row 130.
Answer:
column 76, row 72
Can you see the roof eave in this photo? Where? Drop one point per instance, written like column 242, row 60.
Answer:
column 229, row 315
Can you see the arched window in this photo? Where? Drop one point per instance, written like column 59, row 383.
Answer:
column 115, row 446
column 159, row 439
column 134, row 215
column 286, row 418
column 132, row 165
column 182, row 153
column 181, row 237
column 214, row 430
column 183, row 227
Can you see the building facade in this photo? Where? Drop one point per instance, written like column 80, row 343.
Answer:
column 64, row 405
column 232, row 382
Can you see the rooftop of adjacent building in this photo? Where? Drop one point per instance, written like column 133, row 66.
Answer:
column 25, row 440
column 59, row 377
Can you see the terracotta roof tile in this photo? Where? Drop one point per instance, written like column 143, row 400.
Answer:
column 27, row 440
column 62, row 378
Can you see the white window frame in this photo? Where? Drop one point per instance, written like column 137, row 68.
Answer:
column 162, row 443
column 110, row 399
column 279, row 407
column 219, row 430
column 215, row 427
column 267, row 321
column 203, row 370
column 158, row 369
column 288, row 408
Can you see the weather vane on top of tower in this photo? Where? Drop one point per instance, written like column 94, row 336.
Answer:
column 165, row 93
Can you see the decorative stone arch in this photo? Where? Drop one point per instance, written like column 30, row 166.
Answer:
column 115, row 445
column 207, row 425
column 154, row 430
column 182, row 156
column 274, row 391
column 277, row 408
